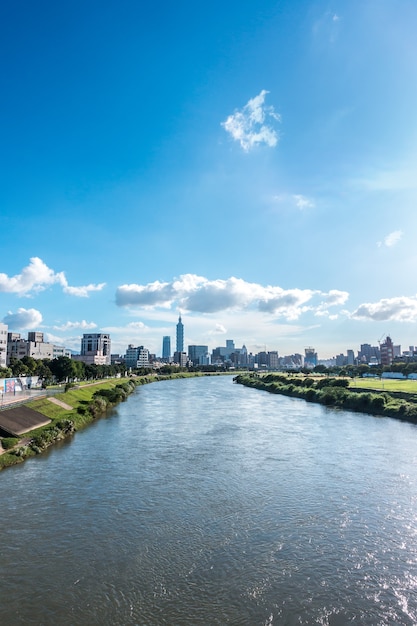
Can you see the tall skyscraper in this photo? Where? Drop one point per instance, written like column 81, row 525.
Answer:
column 180, row 335
column 166, row 347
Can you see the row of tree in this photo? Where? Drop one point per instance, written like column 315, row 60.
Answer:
column 401, row 367
column 61, row 369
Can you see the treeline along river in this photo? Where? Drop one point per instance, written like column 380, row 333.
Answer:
column 198, row 501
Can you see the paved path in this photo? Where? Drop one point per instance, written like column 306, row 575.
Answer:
column 60, row 403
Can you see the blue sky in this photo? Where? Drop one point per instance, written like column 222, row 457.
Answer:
column 252, row 164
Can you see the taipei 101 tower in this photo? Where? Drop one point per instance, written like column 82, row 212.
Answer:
column 180, row 335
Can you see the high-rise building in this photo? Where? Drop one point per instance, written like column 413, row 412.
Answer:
column 387, row 351
column 181, row 358
column 368, row 353
column 35, row 336
column 136, row 356
column 273, row 359
column 180, row 335
column 166, row 348
column 310, row 357
column 3, row 344
column 199, row 355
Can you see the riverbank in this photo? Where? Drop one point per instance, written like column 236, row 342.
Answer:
column 335, row 392
column 73, row 409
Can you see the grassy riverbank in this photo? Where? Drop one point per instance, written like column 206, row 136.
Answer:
column 74, row 409
column 337, row 392
column 69, row 411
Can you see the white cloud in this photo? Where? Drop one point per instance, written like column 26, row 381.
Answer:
column 82, row 292
column 400, row 309
column 136, row 325
column 197, row 294
column 249, row 125
column 302, row 202
column 37, row 276
column 72, row 325
column 23, row 319
column 392, row 239
column 152, row 294
column 333, row 298
column 289, row 200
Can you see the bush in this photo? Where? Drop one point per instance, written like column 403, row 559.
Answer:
column 98, row 406
column 311, row 395
column 9, row 442
column 332, row 382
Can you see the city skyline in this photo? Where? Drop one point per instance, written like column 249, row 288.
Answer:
column 97, row 349
column 254, row 170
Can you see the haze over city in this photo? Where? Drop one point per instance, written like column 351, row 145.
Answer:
column 250, row 165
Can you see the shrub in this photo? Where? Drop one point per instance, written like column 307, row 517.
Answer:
column 22, row 452
column 66, row 426
column 332, row 382
column 9, row 442
column 311, row 395
column 98, row 406
column 378, row 403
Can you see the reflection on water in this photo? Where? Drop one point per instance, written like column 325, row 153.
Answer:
column 202, row 502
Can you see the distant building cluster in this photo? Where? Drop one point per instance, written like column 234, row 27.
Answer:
column 14, row 346
column 383, row 354
column 95, row 349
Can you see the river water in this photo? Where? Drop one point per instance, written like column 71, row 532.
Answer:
column 199, row 501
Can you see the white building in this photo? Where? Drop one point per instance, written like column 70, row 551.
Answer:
column 137, row 356
column 95, row 349
column 3, row 344
column 34, row 346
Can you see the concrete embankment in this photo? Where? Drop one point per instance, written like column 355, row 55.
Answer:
column 49, row 419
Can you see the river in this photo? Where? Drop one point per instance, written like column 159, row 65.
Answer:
column 202, row 502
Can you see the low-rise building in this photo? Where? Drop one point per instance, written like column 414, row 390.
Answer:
column 34, row 346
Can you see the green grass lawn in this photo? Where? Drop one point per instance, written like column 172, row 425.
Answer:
column 74, row 397
column 384, row 384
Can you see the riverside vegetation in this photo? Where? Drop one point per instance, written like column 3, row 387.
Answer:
column 336, row 392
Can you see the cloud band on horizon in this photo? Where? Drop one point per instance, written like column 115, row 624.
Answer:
column 197, row 294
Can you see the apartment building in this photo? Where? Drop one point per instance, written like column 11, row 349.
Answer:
column 3, row 344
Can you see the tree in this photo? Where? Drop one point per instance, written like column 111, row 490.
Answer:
column 62, row 368
column 43, row 371
column 18, row 367
column 30, row 363
column 5, row 372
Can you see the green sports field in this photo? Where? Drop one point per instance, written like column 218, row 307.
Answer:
column 385, row 384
